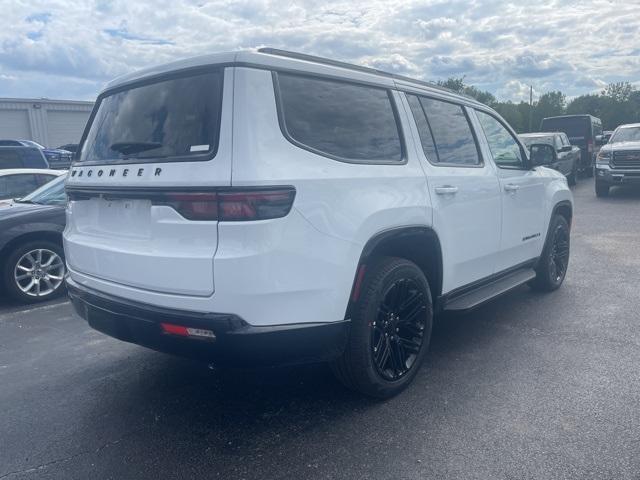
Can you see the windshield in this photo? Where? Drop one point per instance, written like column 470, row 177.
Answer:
column 51, row 193
column 546, row 139
column 629, row 134
column 175, row 119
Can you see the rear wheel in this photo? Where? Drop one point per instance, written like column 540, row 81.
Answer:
column 602, row 189
column 554, row 261
column 390, row 329
column 34, row 272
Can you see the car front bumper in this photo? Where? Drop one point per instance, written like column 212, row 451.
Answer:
column 236, row 343
column 617, row 176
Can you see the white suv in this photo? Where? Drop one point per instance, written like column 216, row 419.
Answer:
column 253, row 208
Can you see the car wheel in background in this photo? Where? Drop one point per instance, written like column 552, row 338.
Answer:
column 390, row 329
column 572, row 178
column 34, row 272
column 602, row 189
column 554, row 261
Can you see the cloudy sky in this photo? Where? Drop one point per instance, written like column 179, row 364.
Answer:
column 70, row 48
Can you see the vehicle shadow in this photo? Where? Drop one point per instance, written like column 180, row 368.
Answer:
column 624, row 192
column 177, row 407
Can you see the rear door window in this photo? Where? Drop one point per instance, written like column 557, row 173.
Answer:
column 10, row 159
column 446, row 126
column 168, row 120
column 339, row 119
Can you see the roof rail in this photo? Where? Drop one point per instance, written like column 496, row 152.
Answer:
column 359, row 68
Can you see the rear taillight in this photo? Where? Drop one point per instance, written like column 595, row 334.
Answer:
column 231, row 205
column 590, row 146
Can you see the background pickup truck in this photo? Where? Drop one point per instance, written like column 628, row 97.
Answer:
column 567, row 159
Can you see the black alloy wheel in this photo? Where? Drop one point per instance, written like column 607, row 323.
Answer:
column 397, row 333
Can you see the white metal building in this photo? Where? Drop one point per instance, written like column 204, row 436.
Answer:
column 49, row 122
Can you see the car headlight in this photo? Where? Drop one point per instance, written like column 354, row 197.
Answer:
column 604, row 157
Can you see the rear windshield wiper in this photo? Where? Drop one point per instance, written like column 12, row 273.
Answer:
column 127, row 148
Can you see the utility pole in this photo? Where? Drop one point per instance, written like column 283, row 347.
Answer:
column 530, row 106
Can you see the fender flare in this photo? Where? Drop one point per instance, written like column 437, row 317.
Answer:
column 429, row 235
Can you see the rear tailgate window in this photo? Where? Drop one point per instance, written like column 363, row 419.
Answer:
column 171, row 119
column 577, row 129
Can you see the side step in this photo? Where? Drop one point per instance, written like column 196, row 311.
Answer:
column 477, row 296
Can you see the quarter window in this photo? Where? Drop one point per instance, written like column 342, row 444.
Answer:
column 339, row 119
column 424, row 130
column 445, row 132
column 504, row 148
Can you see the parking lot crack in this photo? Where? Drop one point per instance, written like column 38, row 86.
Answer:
column 43, row 466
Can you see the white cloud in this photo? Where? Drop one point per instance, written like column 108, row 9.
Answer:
column 67, row 49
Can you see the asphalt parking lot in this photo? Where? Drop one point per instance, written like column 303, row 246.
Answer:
column 529, row 386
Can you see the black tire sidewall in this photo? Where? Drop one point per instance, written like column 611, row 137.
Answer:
column 8, row 271
column 381, row 275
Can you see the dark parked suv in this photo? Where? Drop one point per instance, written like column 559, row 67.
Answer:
column 58, row 159
column 22, row 157
column 584, row 131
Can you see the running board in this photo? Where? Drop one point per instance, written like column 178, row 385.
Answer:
column 478, row 296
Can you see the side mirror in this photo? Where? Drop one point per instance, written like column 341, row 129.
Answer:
column 565, row 148
column 600, row 140
column 542, row 154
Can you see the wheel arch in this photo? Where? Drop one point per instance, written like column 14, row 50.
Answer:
column 564, row 208
column 418, row 244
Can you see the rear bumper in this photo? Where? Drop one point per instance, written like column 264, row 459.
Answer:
column 236, row 343
column 605, row 174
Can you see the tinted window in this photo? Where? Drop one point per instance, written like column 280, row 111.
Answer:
column 504, row 148
column 340, row 119
column 14, row 186
column 426, row 137
column 170, row 119
column 10, row 159
column 576, row 128
column 451, row 131
column 10, row 143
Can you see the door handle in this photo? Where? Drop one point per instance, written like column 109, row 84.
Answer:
column 511, row 187
column 446, row 190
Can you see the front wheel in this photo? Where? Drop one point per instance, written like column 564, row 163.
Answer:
column 34, row 272
column 554, row 261
column 390, row 329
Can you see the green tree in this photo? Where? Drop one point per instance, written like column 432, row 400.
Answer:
column 550, row 104
column 619, row 91
column 513, row 114
column 458, row 85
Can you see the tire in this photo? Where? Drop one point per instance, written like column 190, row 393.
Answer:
column 588, row 171
column 572, row 178
column 602, row 189
column 389, row 334
column 48, row 280
column 554, row 261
